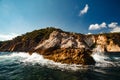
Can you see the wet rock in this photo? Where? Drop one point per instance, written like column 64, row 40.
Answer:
column 70, row 56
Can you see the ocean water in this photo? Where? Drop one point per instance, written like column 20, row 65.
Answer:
column 22, row 66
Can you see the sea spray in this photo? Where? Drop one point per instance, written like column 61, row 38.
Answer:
column 26, row 59
column 22, row 66
column 101, row 59
column 39, row 59
column 104, row 60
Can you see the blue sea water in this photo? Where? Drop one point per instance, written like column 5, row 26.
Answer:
column 22, row 66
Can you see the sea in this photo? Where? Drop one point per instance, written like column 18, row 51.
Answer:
column 22, row 66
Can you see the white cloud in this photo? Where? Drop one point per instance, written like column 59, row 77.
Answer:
column 103, row 25
column 84, row 10
column 97, row 26
column 4, row 37
column 112, row 25
column 89, row 33
column 116, row 29
column 94, row 27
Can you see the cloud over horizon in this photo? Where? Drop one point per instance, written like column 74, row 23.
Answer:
column 97, row 26
column 116, row 29
column 4, row 37
column 112, row 27
column 84, row 10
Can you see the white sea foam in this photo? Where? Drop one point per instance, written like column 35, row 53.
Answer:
column 104, row 60
column 15, row 57
column 99, row 57
column 15, row 54
column 27, row 59
column 39, row 59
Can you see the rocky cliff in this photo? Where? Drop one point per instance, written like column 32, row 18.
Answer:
column 109, row 42
column 64, row 47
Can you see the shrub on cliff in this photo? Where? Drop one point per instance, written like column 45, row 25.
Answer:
column 37, row 35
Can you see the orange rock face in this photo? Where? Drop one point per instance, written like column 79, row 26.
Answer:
column 69, row 56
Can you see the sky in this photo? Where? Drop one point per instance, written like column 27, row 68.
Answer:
column 82, row 16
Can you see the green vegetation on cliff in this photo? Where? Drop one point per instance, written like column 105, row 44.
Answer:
column 37, row 35
column 27, row 41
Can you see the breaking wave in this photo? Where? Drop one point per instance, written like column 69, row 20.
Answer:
column 104, row 60
column 26, row 59
column 22, row 66
column 101, row 59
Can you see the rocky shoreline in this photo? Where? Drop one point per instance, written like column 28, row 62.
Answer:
column 69, row 56
column 61, row 46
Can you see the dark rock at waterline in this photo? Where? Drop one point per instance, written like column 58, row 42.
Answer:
column 69, row 56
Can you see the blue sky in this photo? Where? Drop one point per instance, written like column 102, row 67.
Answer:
column 82, row 16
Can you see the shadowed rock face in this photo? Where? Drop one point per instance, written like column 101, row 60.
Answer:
column 60, row 46
column 70, row 56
